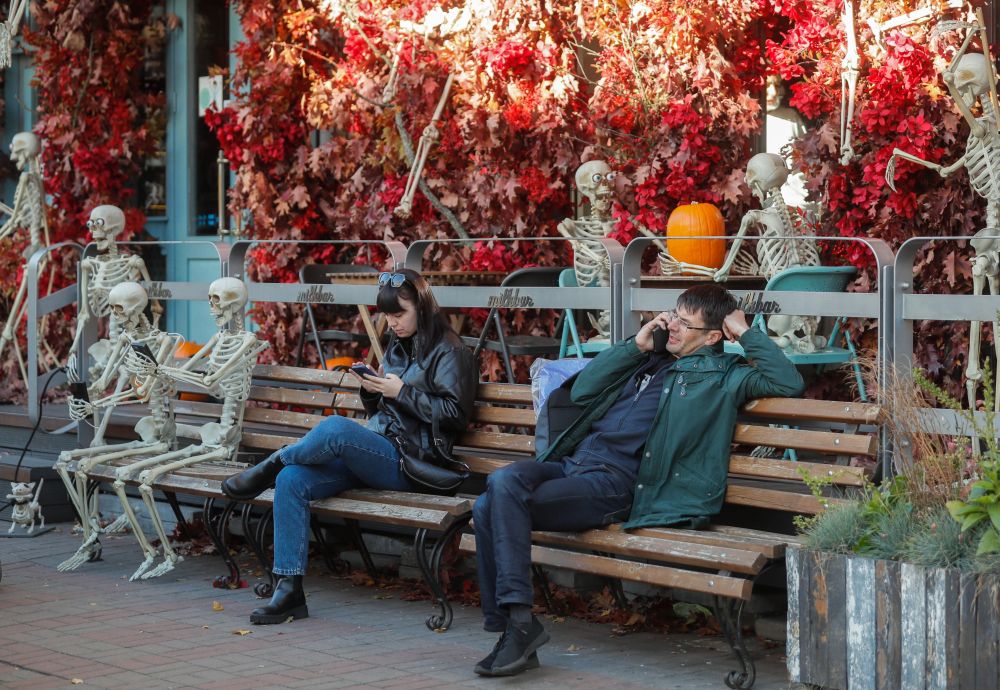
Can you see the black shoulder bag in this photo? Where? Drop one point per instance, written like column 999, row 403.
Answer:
column 433, row 469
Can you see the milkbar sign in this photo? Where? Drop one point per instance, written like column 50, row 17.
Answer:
column 510, row 298
column 753, row 303
column 317, row 294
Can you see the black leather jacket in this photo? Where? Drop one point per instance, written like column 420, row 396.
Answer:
column 441, row 382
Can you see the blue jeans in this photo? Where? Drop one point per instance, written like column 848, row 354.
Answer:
column 336, row 455
column 557, row 495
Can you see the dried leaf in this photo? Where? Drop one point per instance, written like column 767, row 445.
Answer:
column 217, row 606
column 77, row 681
column 242, row 632
column 573, row 648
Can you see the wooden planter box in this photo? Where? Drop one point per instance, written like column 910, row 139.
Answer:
column 856, row 623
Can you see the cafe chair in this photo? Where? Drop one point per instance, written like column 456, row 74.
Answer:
column 816, row 279
column 567, row 278
column 320, row 274
column 517, row 345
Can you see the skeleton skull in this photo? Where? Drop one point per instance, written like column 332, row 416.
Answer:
column 765, row 172
column 105, row 224
column 972, row 77
column 596, row 181
column 127, row 301
column 226, row 299
column 24, row 147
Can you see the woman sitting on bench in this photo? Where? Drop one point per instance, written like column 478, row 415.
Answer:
column 427, row 380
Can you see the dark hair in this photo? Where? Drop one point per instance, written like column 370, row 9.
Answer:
column 713, row 302
column 431, row 323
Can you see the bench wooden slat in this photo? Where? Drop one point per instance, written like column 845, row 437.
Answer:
column 775, row 499
column 302, row 375
column 510, row 416
column 298, row 397
column 817, row 410
column 452, row 505
column 513, row 393
column 774, row 468
column 768, row 548
column 492, row 440
column 659, row 549
column 663, row 576
column 803, row 439
column 267, row 441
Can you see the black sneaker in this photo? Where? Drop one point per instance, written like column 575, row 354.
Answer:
column 485, row 667
column 515, row 649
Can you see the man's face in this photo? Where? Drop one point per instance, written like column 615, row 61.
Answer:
column 687, row 333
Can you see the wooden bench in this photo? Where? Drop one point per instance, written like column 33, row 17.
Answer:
column 723, row 561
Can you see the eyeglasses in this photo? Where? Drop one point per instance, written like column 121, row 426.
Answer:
column 672, row 316
column 394, row 279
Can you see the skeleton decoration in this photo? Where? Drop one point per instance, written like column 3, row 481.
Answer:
column 780, row 247
column 8, row 30
column 428, row 138
column 971, row 82
column 880, row 29
column 596, row 181
column 26, row 508
column 27, row 213
column 849, row 71
column 98, row 275
column 227, row 362
column 157, row 432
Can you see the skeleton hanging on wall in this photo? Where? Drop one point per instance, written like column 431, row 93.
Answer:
column 971, row 82
column 595, row 180
column 98, row 275
column 227, row 359
column 27, row 213
column 157, row 432
column 8, row 30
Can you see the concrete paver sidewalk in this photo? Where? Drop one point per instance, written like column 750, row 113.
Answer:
column 94, row 625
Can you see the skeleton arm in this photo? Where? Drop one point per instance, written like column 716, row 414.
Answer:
column 247, row 352
column 154, row 304
column 14, row 221
column 184, row 373
column 669, row 266
column 749, row 217
column 427, row 139
column 848, row 84
column 83, row 313
column 890, row 168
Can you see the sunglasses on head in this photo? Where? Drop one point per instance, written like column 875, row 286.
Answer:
column 394, row 279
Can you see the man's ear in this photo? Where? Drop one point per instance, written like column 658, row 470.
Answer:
column 714, row 337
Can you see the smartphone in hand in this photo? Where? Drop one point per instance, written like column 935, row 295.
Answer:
column 364, row 370
column 78, row 390
column 660, row 338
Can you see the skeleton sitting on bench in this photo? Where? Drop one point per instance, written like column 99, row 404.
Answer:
column 228, row 359
column 157, row 432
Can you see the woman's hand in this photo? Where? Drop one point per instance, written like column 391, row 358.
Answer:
column 389, row 386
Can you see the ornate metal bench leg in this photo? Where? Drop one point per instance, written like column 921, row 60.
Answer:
column 338, row 566
column 182, row 524
column 254, row 537
column 729, row 612
column 216, row 528
column 543, row 580
column 441, row 621
column 359, row 543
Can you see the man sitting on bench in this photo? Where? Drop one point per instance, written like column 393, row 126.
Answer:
column 651, row 446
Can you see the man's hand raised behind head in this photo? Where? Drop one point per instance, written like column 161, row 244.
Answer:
column 735, row 325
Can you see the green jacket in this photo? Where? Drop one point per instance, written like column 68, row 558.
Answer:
column 682, row 477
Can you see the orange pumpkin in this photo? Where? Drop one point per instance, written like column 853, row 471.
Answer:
column 697, row 220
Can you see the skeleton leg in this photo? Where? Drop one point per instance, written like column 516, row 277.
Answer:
column 9, row 333
column 973, row 374
column 991, row 277
column 140, row 536
column 148, row 478
column 102, row 426
column 427, row 139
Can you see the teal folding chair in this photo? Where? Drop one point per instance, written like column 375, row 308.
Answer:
column 567, row 278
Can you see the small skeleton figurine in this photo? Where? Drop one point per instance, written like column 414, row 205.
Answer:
column 8, row 29
column 228, row 359
column 971, row 81
column 766, row 172
column 28, row 212
column 26, row 509
column 98, row 275
column 596, row 181
column 157, row 432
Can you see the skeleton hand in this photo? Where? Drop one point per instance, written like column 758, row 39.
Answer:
column 139, row 364
column 669, row 266
column 80, row 409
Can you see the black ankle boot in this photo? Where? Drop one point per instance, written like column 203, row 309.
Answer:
column 288, row 602
column 253, row 481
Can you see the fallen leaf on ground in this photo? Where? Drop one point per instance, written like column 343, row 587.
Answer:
column 217, row 606
column 242, row 632
column 77, row 681
column 573, row 648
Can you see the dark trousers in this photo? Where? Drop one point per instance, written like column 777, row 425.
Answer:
column 560, row 496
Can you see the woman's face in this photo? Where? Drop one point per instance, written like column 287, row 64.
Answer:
column 404, row 323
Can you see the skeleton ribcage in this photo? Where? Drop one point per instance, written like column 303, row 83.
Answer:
column 983, row 164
